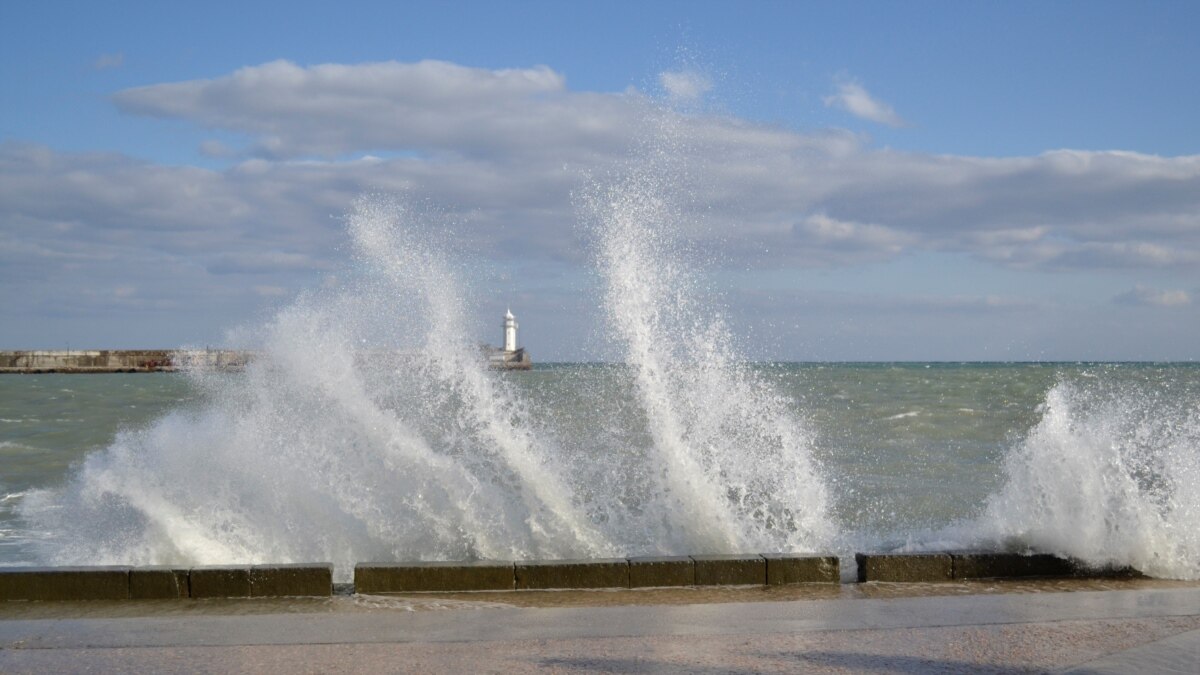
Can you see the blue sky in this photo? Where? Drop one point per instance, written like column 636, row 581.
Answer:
column 911, row 180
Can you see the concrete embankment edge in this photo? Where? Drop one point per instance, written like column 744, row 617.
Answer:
column 635, row 572
column 965, row 565
column 316, row 579
column 153, row 583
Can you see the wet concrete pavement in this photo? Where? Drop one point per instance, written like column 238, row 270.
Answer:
column 1145, row 630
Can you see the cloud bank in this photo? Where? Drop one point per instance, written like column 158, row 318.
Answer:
column 500, row 152
column 1146, row 296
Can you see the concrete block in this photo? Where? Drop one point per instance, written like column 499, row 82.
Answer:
column 910, row 567
column 64, row 583
column 479, row 575
column 307, row 579
column 158, row 582
column 220, row 581
column 730, row 570
column 652, row 571
column 597, row 573
column 791, row 568
column 979, row 565
column 1084, row 570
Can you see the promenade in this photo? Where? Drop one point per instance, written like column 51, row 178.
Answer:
column 1140, row 627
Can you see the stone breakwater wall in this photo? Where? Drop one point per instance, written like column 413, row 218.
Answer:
column 647, row 572
column 121, row 360
column 967, row 565
column 316, row 579
column 155, row 583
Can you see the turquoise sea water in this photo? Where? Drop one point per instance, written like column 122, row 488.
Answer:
column 909, row 454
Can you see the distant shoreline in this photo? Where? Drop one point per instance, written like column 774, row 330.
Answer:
column 111, row 361
column 102, row 361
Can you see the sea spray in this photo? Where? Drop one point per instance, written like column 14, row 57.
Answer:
column 728, row 458
column 1110, row 475
column 367, row 428
column 487, row 408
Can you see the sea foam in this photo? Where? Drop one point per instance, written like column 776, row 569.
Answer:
column 369, row 428
column 1109, row 475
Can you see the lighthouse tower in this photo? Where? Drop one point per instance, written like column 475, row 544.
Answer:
column 510, row 332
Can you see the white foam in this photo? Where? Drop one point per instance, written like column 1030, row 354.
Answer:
column 327, row 449
column 1110, row 475
column 729, row 460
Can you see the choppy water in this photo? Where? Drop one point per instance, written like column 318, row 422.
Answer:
column 329, row 448
column 912, row 455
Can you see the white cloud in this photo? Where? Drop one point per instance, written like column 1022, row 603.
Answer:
column 856, row 100
column 215, row 148
column 501, row 140
column 109, row 61
column 265, row 262
column 1144, row 295
column 684, row 85
column 825, row 231
column 498, row 154
column 846, row 242
column 330, row 110
column 503, row 150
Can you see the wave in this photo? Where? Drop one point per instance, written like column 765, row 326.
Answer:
column 369, row 428
column 1109, row 475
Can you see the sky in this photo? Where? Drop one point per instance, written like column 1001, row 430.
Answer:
column 860, row 180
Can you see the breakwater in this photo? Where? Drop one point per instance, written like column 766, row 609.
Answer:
column 33, row 361
column 120, row 360
column 316, row 579
column 115, row 582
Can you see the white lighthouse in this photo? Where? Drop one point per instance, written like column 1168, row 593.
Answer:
column 510, row 357
column 510, row 331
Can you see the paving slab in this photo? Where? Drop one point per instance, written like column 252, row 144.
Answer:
column 1001, row 650
column 1143, row 631
column 1178, row 655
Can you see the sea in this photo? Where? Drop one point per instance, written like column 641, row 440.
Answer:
column 353, row 437
column 1090, row 459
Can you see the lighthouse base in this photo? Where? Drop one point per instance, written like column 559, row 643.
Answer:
column 499, row 359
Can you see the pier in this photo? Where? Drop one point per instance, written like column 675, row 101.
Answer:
column 121, row 360
column 510, row 356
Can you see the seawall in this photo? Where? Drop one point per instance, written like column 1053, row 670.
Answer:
column 316, row 579
column 120, row 360
column 171, row 360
